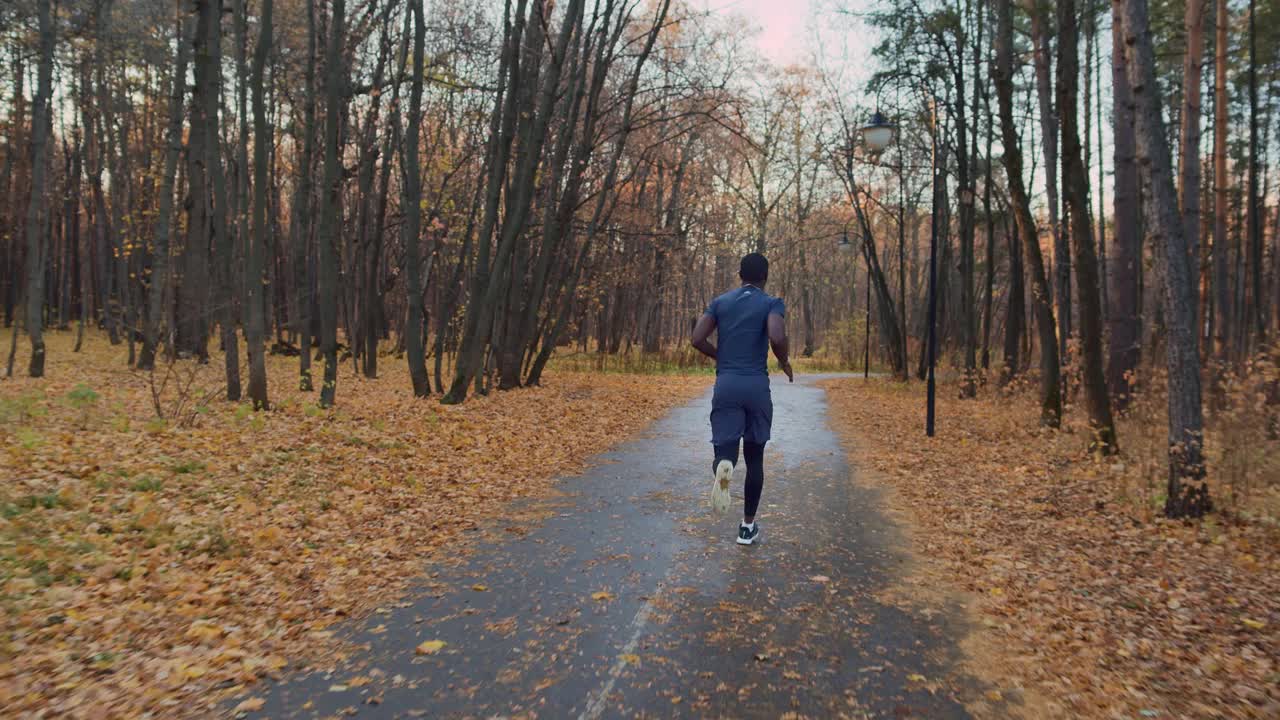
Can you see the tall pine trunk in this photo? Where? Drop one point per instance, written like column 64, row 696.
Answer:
column 1124, row 324
column 1050, row 371
column 1254, row 217
column 1221, row 184
column 1040, row 32
column 1188, row 495
column 1075, row 188
column 1189, row 149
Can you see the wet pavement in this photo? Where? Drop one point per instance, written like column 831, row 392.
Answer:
column 627, row 598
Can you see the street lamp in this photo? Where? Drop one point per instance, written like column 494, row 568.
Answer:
column 877, row 134
column 843, row 243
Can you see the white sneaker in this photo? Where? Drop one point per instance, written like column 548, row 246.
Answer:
column 720, row 498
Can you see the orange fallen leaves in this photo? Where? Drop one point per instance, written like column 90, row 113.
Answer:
column 152, row 569
column 1102, row 610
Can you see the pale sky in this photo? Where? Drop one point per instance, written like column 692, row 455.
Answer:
column 782, row 23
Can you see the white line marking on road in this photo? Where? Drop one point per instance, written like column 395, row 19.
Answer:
column 597, row 704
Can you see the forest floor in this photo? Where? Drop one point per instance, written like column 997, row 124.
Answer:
column 154, row 553
column 162, row 550
column 1081, row 597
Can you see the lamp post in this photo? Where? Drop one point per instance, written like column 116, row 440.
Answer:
column 877, row 135
column 933, row 267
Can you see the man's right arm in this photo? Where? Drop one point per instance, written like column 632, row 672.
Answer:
column 702, row 335
column 777, row 326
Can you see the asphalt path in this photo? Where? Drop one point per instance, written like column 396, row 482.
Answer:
column 623, row 596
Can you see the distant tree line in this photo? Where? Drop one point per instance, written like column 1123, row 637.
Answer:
column 467, row 188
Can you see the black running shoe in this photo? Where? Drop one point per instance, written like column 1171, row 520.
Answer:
column 748, row 535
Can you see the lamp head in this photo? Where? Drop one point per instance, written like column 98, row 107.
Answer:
column 878, row 133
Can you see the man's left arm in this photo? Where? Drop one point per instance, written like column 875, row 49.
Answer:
column 777, row 327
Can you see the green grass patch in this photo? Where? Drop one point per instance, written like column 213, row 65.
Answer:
column 187, row 467
column 147, row 484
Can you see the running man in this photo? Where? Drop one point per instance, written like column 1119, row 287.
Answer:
column 749, row 321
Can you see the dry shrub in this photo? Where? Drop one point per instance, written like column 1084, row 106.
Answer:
column 1242, row 452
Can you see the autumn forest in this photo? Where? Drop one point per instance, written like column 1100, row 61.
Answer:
column 290, row 280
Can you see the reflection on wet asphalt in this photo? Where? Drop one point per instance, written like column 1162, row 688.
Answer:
column 628, row 598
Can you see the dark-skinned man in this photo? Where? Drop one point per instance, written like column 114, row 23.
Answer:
column 748, row 322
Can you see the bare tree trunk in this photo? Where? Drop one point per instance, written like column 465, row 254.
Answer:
column 330, row 196
column 239, row 239
column 17, row 121
column 412, row 204
column 194, row 298
column 1039, row 11
column 968, row 212
column 1076, row 191
column 36, row 207
column 225, row 299
column 254, row 279
column 603, row 207
column 1189, row 150
column 1105, row 284
column 303, row 221
column 469, row 359
column 536, row 116
column 1123, row 320
column 160, row 273
column 990, row 282
column 1050, row 378
column 1188, row 495
column 1254, row 220
column 1015, row 316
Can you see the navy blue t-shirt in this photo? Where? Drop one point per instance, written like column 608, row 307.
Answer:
column 742, row 322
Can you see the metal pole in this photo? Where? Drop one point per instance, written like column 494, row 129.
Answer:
column 866, row 343
column 902, row 256
column 933, row 274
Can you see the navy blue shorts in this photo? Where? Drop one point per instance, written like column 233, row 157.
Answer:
column 741, row 409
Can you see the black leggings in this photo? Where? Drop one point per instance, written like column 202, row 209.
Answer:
column 754, row 455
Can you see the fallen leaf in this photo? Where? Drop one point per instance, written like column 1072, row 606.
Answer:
column 429, row 647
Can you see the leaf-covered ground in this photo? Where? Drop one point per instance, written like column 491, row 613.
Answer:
column 1085, row 603
column 147, row 564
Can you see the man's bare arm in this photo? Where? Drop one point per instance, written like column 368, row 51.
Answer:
column 778, row 341
column 702, row 334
